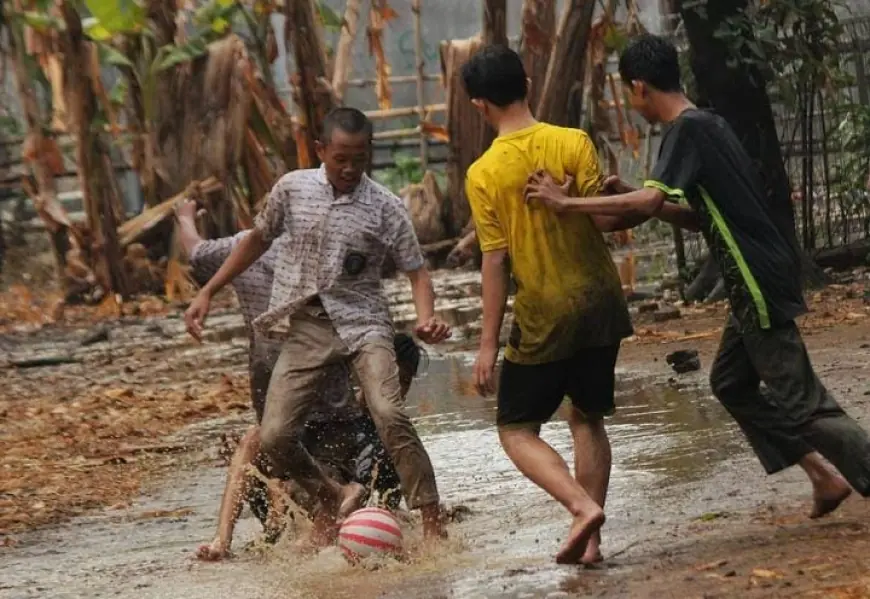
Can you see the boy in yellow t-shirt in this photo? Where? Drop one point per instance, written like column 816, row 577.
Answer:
column 569, row 314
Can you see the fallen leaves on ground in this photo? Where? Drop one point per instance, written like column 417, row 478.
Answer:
column 64, row 457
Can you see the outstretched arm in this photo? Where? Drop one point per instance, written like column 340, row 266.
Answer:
column 633, row 207
column 267, row 227
column 243, row 255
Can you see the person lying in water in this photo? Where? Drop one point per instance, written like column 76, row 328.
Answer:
column 353, row 453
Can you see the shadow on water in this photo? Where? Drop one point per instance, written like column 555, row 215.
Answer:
column 667, row 441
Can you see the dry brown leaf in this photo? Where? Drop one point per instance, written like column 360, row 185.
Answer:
column 711, row 565
column 179, row 513
column 763, row 573
column 435, row 131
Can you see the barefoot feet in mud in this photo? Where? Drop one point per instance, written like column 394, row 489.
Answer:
column 592, row 555
column 351, row 499
column 582, row 529
column 828, row 500
column 434, row 528
column 216, row 551
column 324, row 532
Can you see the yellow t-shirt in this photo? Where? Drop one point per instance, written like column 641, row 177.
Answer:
column 568, row 291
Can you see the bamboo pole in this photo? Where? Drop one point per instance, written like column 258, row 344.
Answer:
column 398, row 133
column 344, row 50
column 393, row 80
column 391, row 113
column 421, row 84
column 495, row 22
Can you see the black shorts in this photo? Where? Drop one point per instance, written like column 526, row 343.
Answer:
column 531, row 393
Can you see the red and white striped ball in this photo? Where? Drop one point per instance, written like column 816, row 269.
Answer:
column 370, row 531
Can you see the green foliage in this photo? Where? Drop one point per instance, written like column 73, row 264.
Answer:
column 790, row 43
column 110, row 56
column 852, row 137
column 10, row 126
column 406, row 171
column 41, row 22
column 329, row 18
column 215, row 15
column 118, row 93
column 114, row 17
column 171, row 55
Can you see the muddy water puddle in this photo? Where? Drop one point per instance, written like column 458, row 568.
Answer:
column 676, row 457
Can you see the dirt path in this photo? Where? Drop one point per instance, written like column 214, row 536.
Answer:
column 86, row 435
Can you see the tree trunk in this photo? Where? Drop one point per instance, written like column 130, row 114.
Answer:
column 96, row 174
column 45, row 200
column 562, row 96
column 465, row 129
column 739, row 95
column 344, row 50
column 538, row 33
column 495, row 22
column 494, row 32
column 314, row 97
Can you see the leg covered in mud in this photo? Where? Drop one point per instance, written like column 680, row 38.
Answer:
column 234, row 492
column 304, row 372
column 795, row 419
column 378, row 374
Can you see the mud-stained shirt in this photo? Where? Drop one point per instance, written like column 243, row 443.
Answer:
column 568, row 291
column 334, row 248
column 253, row 289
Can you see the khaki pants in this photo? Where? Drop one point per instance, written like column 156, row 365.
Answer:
column 303, row 372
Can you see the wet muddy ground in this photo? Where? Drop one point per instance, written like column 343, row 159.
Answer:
column 690, row 512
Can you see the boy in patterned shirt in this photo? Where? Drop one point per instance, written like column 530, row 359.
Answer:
column 338, row 433
column 332, row 229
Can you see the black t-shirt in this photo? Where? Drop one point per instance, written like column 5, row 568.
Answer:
column 702, row 164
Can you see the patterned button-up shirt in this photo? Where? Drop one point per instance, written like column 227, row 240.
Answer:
column 334, row 248
column 253, row 289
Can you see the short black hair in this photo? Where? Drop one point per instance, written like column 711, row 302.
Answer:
column 408, row 353
column 347, row 119
column 653, row 60
column 496, row 74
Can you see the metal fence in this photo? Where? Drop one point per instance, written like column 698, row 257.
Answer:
column 824, row 136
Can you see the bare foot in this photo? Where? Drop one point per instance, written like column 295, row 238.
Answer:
column 592, row 555
column 433, row 523
column 324, row 532
column 582, row 530
column 216, row 551
column 831, row 500
column 352, row 497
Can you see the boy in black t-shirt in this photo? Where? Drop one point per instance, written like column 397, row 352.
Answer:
column 704, row 180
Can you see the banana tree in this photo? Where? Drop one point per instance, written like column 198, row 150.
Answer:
column 40, row 152
column 144, row 44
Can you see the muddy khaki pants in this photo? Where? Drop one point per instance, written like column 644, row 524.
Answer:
column 796, row 415
column 305, row 370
